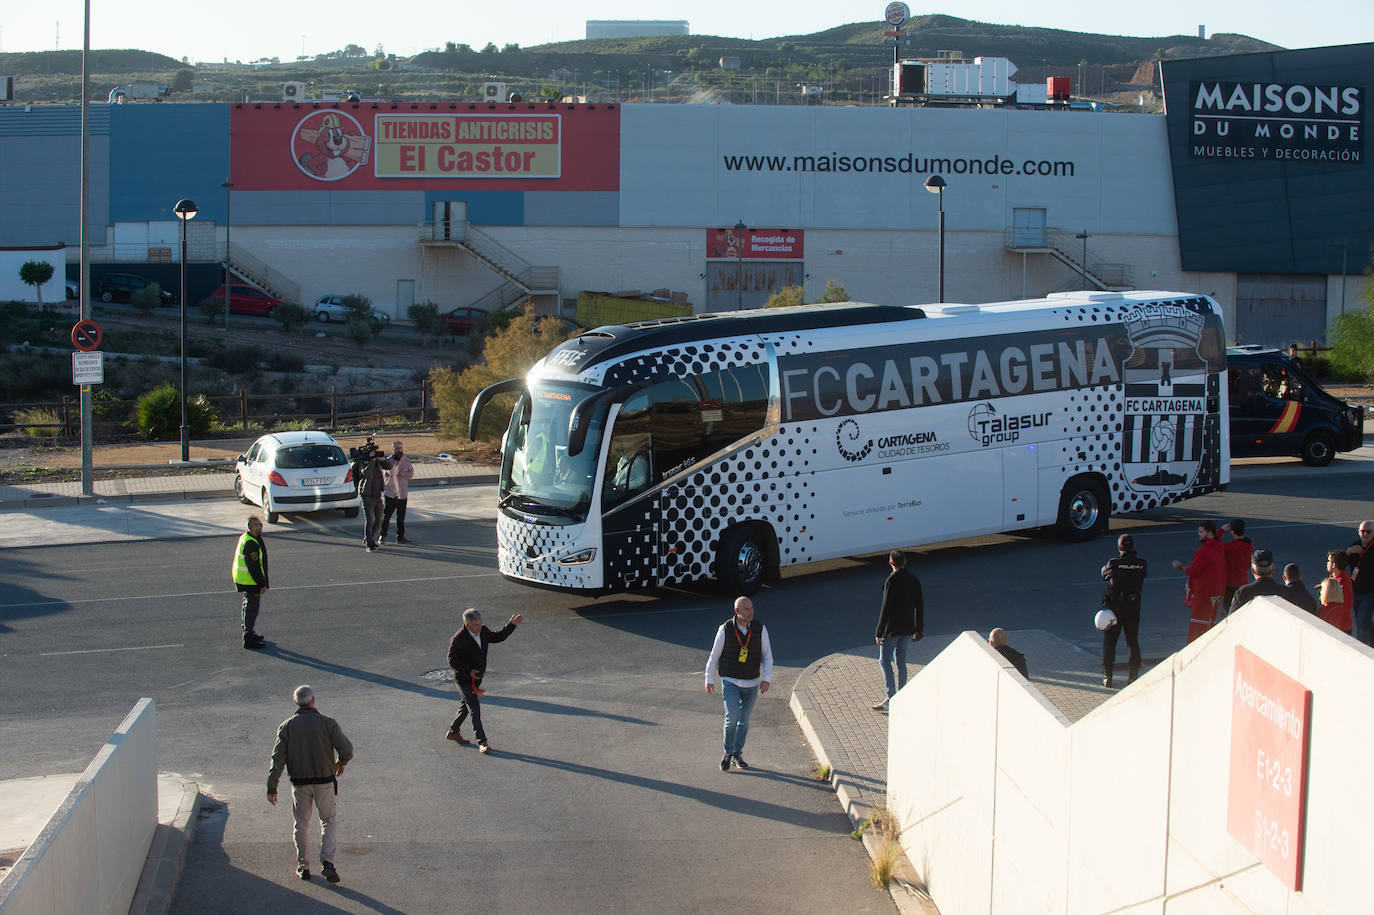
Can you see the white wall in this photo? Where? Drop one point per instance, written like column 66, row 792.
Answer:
column 89, row 856
column 1008, row 808
column 13, row 289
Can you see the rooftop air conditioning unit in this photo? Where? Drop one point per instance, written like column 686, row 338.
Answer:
column 292, row 92
column 494, row 92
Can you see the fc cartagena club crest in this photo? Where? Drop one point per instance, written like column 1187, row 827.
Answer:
column 329, row 145
column 1166, row 385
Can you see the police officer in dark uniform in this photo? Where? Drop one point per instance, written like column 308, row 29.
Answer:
column 1125, row 578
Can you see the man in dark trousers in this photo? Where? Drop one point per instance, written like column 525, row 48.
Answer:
column 371, row 480
column 1362, row 584
column 306, row 746
column 997, row 638
column 1262, row 567
column 743, row 657
column 250, row 579
column 467, row 655
column 1124, row 574
column 902, row 617
column 1297, row 590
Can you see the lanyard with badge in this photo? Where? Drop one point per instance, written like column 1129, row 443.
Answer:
column 744, row 646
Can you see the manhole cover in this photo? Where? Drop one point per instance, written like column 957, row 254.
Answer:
column 438, row 673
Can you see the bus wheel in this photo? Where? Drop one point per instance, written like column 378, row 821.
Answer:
column 1083, row 509
column 1318, row 450
column 740, row 562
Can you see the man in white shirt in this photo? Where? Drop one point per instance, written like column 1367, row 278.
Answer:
column 743, row 657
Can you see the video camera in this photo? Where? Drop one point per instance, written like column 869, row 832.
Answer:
column 368, row 451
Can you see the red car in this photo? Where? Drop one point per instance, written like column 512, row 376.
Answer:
column 248, row 300
column 462, row 320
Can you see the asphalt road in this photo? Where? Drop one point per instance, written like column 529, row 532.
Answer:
column 604, row 793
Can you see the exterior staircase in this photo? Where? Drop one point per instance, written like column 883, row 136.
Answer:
column 1066, row 248
column 257, row 273
column 523, row 282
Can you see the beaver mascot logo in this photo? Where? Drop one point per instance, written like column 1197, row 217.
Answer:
column 330, row 145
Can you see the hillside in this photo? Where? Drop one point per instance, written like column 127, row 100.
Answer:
column 849, row 62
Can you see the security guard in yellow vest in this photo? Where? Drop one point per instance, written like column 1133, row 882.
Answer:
column 250, row 578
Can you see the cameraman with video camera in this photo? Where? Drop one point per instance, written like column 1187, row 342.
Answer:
column 368, row 466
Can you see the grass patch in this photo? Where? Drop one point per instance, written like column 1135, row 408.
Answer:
column 884, row 862
column 38, row 422
column 823, row 773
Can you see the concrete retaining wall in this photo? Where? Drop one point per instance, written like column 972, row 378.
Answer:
column 1007, row 808
column 89, row 856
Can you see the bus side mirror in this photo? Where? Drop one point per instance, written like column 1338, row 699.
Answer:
column 484, row 397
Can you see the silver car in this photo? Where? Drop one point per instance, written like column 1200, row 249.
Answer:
column 296, row 472
column 332, row 308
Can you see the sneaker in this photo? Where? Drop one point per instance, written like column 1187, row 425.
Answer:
column 1107, row 680
column 254, row 646
column 483, row 746
column 725, row 762
column 302, row 871
column 327, row 868
column 403, row 540
column 371, row 548
column 458, row 739
column 739, row 761
column 254, row 637
column 881, row 706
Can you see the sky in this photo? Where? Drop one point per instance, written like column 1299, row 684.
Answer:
column 251, row 29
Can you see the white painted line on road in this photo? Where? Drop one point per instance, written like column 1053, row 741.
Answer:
column 53, row 654
column 338, row 584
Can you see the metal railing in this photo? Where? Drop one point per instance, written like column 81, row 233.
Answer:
column 259, row 272
column 506, row 295
column 242, row 411
column 1067, row 248
column 500, row 259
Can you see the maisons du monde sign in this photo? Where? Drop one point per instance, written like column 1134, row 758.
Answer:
column 1276, row 121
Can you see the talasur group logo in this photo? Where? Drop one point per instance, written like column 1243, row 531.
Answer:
column 329, row 145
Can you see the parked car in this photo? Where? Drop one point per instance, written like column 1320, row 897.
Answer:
column 332, row 308
column 1276, row 409
column 296, row 472
column 120, row 287
column 462, row 320
column 248, row 300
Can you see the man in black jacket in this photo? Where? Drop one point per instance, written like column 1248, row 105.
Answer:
column 467, row 655
column 1262, row 568
column 902, row 617
column 1297, row 590
column 1363, row 585
column 1125, row 578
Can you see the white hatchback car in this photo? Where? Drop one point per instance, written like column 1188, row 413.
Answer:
column 296, row 472
column 332, row 308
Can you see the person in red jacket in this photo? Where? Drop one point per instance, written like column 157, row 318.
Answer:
column 1206, row 579
column 1238, row 552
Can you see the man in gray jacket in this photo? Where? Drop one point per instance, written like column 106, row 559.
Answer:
column 306, row 746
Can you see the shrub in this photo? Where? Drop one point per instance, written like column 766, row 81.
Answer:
column 147, row 299
column 157, row 415
column 786, row 296
column 834, row 292
column 290, row 315
column 509, row 353
column 239, row 359
column 34, row 376
column 426, row 318
column 211, row 308
column 35, row 274
column 360, row 329
column 39, row 422
column 280, row 361
column 1352, row 344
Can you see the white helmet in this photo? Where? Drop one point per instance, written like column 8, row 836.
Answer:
column 1105, row 620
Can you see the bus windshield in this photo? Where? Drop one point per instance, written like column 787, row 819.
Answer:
column 538, row 477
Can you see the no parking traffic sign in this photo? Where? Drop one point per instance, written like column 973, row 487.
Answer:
column 86, row 335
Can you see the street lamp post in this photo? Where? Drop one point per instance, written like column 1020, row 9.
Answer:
column 186, row 210
column 1344, row 245
column 936, row 185
column 228, row 186
column 1083, row 265
column 740, row 229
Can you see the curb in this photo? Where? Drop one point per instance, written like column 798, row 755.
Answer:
column 53, row 500
column 166, row 856
column 906, row 888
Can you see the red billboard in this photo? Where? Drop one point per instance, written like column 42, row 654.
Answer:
column 1267, row 796
column 754, row 244
column 390, row 146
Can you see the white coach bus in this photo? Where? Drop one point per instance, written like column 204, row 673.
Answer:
column 734, row 445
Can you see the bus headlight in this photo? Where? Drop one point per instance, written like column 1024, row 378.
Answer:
column 580, row 558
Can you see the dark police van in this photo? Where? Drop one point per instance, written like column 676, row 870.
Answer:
column 1278, row 410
